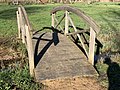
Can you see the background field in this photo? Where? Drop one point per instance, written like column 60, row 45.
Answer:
column 106, row 15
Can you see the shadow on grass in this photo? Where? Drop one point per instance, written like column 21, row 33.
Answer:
column 113, row 74
column 10, row 13
column 34, row 9
column 116, row 13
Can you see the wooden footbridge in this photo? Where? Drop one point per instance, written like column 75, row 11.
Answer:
column 59, row 53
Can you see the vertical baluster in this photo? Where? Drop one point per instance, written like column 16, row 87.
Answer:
column 66, row 22
column 22, row 25
column 91, row 46
column 18, row 22
column 53, row 20
column 30, row 51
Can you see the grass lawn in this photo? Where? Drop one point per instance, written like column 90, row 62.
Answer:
column 107, row 15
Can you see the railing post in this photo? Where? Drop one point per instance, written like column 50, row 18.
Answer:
column 22, row 25
column 30, row 51
column 18, row 22
column 53, row 20
column 66, row 22
column 91, row 46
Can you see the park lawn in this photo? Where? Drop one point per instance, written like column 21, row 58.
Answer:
column 8, row 24
column 107, row 17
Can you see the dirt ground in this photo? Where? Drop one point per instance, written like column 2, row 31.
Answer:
column 76, row 83
column 6, row 54
column 7, row 57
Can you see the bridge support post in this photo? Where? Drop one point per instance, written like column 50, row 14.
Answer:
column 53, row 20
column 18, row 22
column 66, row 23
column 91, row 46
column 22, row 25
column 30, row 51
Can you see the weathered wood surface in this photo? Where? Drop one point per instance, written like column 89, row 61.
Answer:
column 79, row 13
column 18, row 23
column 58, row 57
column 92, row 46
column 30, row 51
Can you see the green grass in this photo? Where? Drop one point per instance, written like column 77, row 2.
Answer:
column 8, row 24
column 18, row 78
column 107, row 16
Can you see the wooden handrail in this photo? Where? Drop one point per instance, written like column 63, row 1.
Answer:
column 25, row 28
column 78, row 12
column 26, row 18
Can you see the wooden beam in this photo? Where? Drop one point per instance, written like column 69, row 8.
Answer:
column 53, row 20
column 85, row 39
column 77, row 32
column 18, row 23
column 66, row 22
column 79, row 13
column 22, row 25
column 58, row 25
column 27, row 22
column 30, row 51
column 78, row 36
column 91, row 46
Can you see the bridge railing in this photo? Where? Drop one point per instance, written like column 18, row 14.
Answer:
column 94, row 29
column 25, row 33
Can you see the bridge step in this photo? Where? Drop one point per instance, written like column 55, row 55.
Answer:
column 60, row 59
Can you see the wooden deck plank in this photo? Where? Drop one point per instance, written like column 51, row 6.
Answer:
column 59, row 59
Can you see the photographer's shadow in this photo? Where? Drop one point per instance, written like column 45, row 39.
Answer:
column 113, row 74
